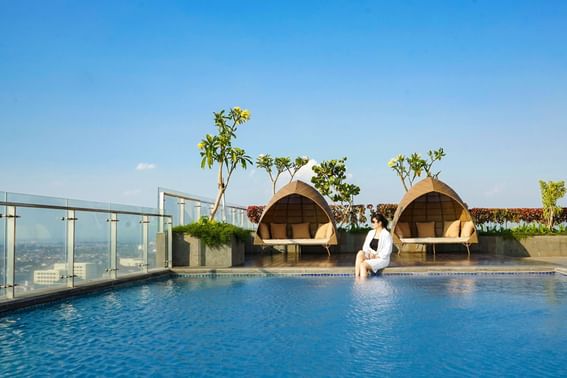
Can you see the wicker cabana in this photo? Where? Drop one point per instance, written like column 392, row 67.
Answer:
column 433, row 203
column 297, row 205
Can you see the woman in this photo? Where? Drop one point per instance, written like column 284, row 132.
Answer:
column 376, row 250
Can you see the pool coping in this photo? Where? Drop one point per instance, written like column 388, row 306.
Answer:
column 48, row 296
column 392, row 271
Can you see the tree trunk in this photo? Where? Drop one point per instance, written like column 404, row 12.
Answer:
column 216, row 205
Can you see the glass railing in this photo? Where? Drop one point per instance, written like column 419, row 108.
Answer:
column 187, row 208
column 51, row 243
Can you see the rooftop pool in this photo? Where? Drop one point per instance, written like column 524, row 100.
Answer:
column 448, row 325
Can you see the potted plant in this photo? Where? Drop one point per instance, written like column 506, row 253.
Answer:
column 209, row 244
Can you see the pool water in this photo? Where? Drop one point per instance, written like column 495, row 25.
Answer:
column 453, row 325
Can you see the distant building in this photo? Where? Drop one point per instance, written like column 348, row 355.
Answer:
column 129, row 261
column 84, row 271
column 47, row 277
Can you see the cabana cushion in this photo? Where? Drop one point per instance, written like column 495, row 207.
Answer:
column 425, row 229
column 324, row 231
column 403, row 229
column 264, row 231
column 300, row 231
column 467, row 229
column 451, row 229
column 278, row 230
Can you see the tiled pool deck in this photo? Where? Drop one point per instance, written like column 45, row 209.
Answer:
column 343, row 264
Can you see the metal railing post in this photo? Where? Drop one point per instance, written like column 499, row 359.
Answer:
column 113, row 242
column 145, row 231
column 70, row 250
column 10, row 251
column 181, row 210
column 198, row 210
column 169, row 243
column 161, row 208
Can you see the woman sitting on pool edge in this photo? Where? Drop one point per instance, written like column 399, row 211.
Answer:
column 376, row 250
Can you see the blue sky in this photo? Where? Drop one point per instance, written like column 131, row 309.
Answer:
column 91, row 89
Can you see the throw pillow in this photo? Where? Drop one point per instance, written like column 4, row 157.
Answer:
column 425, row 229
column 264, row 231
column 403, row 230
column 300, row 231
column 278, row 230
column 451, row 229
column 467, row 229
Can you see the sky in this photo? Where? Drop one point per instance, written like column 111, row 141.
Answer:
column 107, row 100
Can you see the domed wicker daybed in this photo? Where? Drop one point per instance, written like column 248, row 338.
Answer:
column 433, row 213
column 297, row 215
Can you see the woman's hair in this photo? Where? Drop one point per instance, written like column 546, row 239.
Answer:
column 380, row 218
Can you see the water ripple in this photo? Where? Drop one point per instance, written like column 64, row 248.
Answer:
column 316, row 326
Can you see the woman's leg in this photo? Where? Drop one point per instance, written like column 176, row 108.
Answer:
column 359, row 259
column 364, row 268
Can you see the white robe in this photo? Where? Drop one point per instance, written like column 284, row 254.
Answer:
column 380, row 258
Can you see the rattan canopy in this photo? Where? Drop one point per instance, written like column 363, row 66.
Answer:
column 431, row 200
column 298, row 202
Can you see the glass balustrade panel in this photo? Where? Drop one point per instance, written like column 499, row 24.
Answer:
column 92, row 246
column 157, row 244
column 190, row 213
column 171, row 207
column 129, row 244
column 41, row 260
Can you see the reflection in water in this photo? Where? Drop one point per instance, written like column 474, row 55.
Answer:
column 112, row 299
column 461, row 286
column 68, row 311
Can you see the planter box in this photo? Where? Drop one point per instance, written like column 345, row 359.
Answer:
column 531, row 246
column 190, row 251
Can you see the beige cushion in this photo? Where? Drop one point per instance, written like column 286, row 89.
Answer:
column 467, row 229
column 403, row 230
column 324, row 231
column 264, row 231
column 278, row 230
column 425, row 229
column 451, row 229
column 300, row 231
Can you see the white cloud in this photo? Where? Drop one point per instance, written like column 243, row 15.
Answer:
column 145, row 166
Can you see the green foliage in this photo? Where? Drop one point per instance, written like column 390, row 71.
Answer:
column 409, row 168
column 551, row 192
column 218, row 149
column 524, row 230
column 330, row 179
column 355, row 229
column 212, row 233
column 275, row 166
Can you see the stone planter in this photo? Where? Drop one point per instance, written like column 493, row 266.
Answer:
column 534, row 246
column 531, row 246
column 190, row 251
column 349, row 242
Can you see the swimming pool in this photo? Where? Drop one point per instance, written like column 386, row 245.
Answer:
column 456, row 325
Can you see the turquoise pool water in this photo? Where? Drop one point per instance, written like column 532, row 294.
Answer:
column 454, row 325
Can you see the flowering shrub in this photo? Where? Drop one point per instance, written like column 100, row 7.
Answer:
column 499, row 216
column 254, row 213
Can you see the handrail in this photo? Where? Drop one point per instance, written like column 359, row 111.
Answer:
column 59, row 207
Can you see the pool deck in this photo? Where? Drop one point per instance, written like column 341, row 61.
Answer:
column 292, row 263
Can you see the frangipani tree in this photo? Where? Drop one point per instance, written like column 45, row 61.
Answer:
column 275, row 166
column 330, row 179
column 218, row 149
column 551, row 192
column 413, row 166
